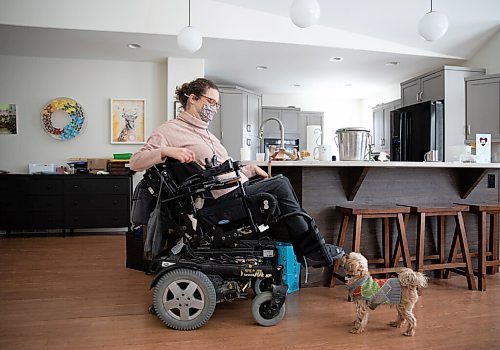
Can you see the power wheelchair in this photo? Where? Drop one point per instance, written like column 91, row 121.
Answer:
column 216, row 253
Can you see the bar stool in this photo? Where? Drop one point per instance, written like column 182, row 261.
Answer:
column 384, row 212
column 487, row 242
column 460, row 236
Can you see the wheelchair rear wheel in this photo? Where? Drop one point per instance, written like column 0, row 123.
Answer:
column 261, row 310
column 184, row 299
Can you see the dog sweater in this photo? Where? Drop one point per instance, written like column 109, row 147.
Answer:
column 376, row 292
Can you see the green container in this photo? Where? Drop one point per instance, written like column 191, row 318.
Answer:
column 122, row 155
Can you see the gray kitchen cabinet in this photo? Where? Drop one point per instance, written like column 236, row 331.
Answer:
column 289, row 116
column 381, row 131
column 237, row 122
column 446, row 84
column 426, row 88
column 483, row 106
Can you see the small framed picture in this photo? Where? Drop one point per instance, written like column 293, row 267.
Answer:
column 128, row 121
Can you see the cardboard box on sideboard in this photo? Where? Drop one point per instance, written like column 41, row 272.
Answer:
column 97, row 164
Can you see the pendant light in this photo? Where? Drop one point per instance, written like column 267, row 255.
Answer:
column 433, row 25
column 189, row 38
column 304, row 13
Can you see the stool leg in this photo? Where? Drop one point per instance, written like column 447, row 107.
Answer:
column 453, row 250
column 403, row 241
column 493, row 245
column 420, row 242
column 356, row 237
column 481, row 254
column 399, row 244
column 441, row 243
column 340, row 243
column 464, row 245
column 385, row 243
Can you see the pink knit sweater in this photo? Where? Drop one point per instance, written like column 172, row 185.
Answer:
column 185, row 131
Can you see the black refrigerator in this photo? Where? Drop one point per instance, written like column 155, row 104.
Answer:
column 417, row 129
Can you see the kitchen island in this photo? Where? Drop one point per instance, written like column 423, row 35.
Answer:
column 321, row 186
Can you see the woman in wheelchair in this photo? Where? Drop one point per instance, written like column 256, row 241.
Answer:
column 209, row 258
column 187, row 139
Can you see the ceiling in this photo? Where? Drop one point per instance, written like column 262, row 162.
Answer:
column 365, row 33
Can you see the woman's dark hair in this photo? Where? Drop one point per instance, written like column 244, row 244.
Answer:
column 196, row 87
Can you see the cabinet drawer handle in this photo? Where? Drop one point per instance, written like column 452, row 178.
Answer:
column 115, row 186
column 75, row 186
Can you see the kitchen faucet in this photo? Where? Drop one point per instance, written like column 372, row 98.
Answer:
column 282, row 130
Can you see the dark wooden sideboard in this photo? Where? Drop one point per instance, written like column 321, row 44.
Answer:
column 64, row 201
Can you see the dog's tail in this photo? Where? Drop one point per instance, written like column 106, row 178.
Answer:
column 409, row 278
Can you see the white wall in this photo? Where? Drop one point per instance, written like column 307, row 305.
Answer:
column 32, row 82
column 180, row 71
column 488, row 56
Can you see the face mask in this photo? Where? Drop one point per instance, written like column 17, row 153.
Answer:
column 207, row 112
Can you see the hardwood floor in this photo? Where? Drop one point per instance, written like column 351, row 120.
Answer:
column 75, row 293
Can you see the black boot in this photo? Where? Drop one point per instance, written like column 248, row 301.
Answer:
column 312, row 250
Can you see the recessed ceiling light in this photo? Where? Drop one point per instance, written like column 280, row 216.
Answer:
column 296, row 85
column 348, row 85
column 261, row 67
column 392, row 63
column 336, row 59
column 134, row 46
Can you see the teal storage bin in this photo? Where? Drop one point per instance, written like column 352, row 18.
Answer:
column 291, row 268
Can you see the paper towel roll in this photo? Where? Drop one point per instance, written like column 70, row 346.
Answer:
column 245, row 153
column 313, row 138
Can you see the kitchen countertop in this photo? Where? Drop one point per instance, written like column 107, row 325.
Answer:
column 317, row 163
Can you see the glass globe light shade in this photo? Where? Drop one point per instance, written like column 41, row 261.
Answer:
column 189, row 39
column 433, row 26
column 304, row 13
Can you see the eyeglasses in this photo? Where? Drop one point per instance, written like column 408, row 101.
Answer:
column 212, row 102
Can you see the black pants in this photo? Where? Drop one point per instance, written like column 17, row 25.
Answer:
column 288, row 202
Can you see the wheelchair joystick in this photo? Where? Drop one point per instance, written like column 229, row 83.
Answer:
column 208, row 163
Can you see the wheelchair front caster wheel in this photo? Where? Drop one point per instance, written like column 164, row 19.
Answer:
column 260, row 285
column 261, row 310
column 184, row 299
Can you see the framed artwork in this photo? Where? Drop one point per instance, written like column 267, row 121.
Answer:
column 8, row 119
column 128, row 121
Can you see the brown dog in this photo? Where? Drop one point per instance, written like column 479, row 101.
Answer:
column 368, row 292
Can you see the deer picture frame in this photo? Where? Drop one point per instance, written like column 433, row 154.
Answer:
column 128, row 121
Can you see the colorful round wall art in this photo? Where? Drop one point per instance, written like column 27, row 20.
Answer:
column 74, row 115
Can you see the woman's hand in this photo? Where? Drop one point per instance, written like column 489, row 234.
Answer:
column 182, row 154
column 254, row 169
